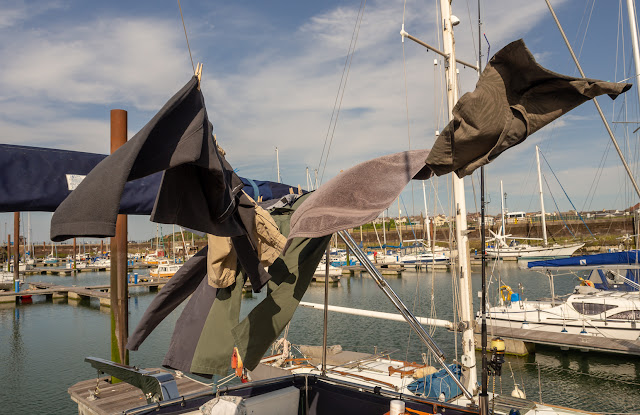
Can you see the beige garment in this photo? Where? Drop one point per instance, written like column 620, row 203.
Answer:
column 222, row 258
column 270, row 241
column 221, row 261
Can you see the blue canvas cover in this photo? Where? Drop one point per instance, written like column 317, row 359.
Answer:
column 609, row 258
column 34, row 179
column 432, row 386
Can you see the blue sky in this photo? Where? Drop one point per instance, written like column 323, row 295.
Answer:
column 271, row 75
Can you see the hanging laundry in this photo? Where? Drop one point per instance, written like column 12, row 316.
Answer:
column 222, row 258
column 209, row 328
column 514, row 98
column 198, row 188
column 352, row 198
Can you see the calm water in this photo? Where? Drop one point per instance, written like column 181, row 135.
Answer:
column 43, row 345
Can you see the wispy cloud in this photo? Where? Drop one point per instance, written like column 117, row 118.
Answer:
column 267, row 83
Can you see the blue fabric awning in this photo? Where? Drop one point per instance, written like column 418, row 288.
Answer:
column 34, row 179
column 609, row 258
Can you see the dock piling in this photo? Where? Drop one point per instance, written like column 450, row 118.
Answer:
column 119, row 298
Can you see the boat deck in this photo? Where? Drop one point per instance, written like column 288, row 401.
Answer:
column 116, row 398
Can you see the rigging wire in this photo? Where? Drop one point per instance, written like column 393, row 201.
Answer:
column 343, row 85
column 565, row 193
column 186, row 37
column 558, row 209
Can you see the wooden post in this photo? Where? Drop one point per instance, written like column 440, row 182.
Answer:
column 119, row 287
column 16, row 246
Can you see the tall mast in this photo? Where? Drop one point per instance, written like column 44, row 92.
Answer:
column 29, row 234
column 384, row 233
column 504, row 230
column 426, row 215
column 278, row 164
column 468, row 358
column 542, row 213
column 631, row 11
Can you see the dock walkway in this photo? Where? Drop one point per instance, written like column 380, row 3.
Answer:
column 75, row 292
column 522, row 341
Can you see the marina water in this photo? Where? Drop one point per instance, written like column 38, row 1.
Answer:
column 43, row 344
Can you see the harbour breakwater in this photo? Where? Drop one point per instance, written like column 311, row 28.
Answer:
column 594, row 232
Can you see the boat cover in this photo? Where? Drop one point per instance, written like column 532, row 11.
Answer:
column 438, row 383
column 609, row 258
column 35, row 179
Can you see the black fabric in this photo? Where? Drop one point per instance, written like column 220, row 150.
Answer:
column 198, row 186
column 190, row 324
column 513, row 99
column 179, row 288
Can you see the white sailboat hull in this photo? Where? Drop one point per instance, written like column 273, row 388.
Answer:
column 578, row 315
column 527, row 251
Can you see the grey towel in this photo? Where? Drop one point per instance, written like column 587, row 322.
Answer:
column 198, row 187
column 358, row 195
column 513, row 99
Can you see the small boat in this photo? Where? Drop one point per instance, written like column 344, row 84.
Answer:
column 22, row 267
column 165, row 270
column 50, row 260
column 321, row 271
column 101, row 263
column 79, row 265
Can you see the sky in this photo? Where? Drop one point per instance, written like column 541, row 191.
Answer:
column 272, row 74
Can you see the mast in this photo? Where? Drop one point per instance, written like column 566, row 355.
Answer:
column 468, row 359
column 504, row 230
column 29, row 234
column 426, row 215
column 278, row 164
column 398, row 226
column 631, row 11
column 384, row 233
column 542, row 213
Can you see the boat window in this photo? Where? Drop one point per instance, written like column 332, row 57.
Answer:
column 592, row 308
column 626, row 315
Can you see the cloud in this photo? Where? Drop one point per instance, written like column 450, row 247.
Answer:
column 16, row 12
column 266, row 83
column 99, row 62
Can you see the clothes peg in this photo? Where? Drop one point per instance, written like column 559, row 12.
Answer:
column 199, row 73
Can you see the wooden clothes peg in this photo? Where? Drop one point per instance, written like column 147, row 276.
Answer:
column 199, row 73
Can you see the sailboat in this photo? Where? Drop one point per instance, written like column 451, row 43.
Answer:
column 514, row 249
column 322, row 394
column 604, row 307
